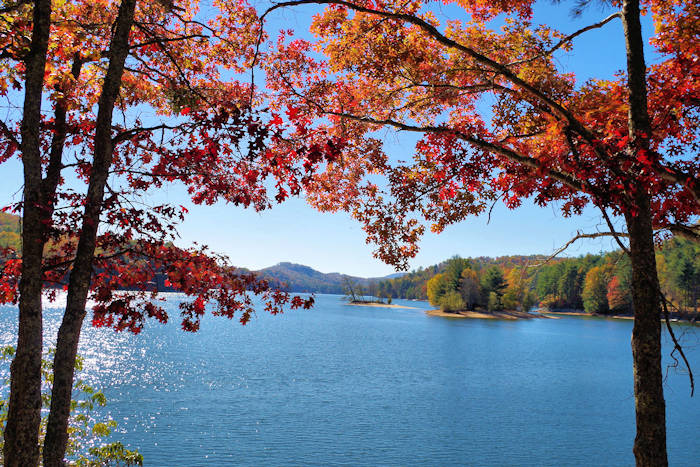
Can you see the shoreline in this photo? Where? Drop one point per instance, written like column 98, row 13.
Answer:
column 382, row 305
column 558, row 314
column 564, row 313
column 507, row 315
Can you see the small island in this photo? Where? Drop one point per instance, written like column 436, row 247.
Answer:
column 357, row 295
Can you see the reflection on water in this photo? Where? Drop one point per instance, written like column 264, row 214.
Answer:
column 376, row 386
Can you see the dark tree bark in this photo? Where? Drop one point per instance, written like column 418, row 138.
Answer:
column 79, row 283
column 24, row 415
column 650, row 442
column 53, row 171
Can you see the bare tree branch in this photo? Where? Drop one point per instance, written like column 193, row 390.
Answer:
column 612, row 230
column 569, row 38
column 68, row 262
column 676, row 345
column 579, row 236
column 565, row 178
column 126, row 134
column 171, row 39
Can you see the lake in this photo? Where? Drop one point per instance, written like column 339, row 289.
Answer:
column 352, row 385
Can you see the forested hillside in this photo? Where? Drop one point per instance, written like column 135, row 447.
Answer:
column 594, row 283
column 300, row 278
column 413, row 285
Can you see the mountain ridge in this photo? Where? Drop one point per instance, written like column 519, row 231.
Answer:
column 301, row 278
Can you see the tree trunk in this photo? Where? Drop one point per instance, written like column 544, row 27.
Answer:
column 650, row 442
column 79, row 283
column 22, row 429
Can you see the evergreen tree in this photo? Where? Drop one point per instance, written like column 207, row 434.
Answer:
column 493, row 281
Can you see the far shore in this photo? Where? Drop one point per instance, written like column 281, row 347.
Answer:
column 556, row 314
column 510, row 315
column 568, row 313
column 583, row 313
column 564, row 313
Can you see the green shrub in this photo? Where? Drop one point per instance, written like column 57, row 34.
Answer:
column 452, row 301
column 494, row 302
column 84, row 430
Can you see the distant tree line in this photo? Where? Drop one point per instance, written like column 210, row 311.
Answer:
column 597, row 284
column 467, row 285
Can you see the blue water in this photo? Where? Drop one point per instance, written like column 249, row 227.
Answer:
column 349, row 385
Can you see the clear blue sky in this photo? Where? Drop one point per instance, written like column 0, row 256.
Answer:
column 335, row 243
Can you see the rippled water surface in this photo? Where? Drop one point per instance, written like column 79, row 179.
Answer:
column 348, row 385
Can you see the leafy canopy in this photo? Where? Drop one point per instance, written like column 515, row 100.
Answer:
column 181, row 117
column 499, row 116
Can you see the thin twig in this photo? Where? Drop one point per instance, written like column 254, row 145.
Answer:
column 569, row 38
column 612, row 229
column 676, row 344
column 579, row 236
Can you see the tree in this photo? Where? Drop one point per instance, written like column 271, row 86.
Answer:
column 453, row 271
column 595, row 290
column 679, row 271
column 618, row 296
column 518, row 295
column 436, row 289
column 372, row 290
column 569, row 286
column 626, row 146
column 510, row 299
column 493, row 281
column 451, row 302
column 470, row 288
column 528, row 300
column 685, row 276
column 494, row 302
column 136, row 98
column 547, row 280
column 9, row 233
column 352, row 289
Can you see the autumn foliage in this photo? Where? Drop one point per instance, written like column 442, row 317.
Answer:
column 499, row 119
column 138, row 95
column 181, row 119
